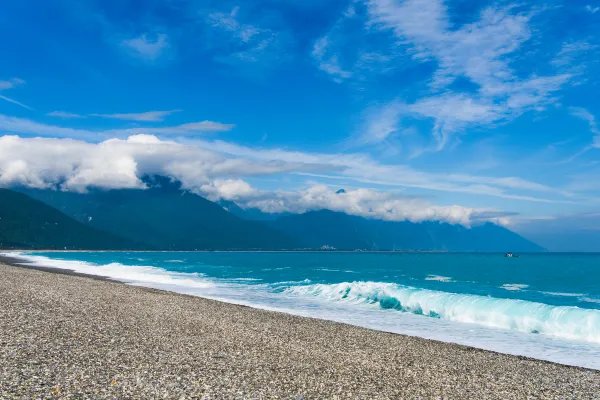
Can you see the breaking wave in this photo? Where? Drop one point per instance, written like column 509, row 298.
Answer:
column 136, row 274
column 520, row 315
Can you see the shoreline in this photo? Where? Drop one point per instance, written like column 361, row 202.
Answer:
column 17, row 263
column 22, row 263
column 454, row 371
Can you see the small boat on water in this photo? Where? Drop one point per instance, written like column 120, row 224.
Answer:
column 511, row 255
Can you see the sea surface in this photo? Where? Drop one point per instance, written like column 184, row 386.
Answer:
column 545, row 306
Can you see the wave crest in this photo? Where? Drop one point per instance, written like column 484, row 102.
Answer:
column 525, row 316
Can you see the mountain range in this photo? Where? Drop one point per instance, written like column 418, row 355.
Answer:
column 165, row 217
column 26, row 223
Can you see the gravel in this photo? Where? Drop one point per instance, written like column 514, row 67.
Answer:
column 72, row 337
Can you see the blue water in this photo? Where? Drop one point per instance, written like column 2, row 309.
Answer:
column 545, row 306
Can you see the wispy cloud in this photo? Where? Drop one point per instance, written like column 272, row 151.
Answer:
column 587, row 116
column 148, row 47
column 329, row 63
column 362, row 168
column 15, row 102
column 10, row 84
column 149, row 116
column 354, row 166
column 483, row 52
column 345, row 52
column 14, row 125
column 381, row 123
column 64, row 115
column 244, row 42
column 571, row 52
column 592, row 9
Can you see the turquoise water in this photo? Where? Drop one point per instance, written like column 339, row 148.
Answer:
column 539, row 305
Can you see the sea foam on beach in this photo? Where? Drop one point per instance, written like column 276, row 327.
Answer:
column 425, row 307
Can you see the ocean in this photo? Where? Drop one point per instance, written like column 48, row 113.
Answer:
column 544, row 306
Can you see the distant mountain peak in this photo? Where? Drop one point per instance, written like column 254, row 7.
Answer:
column 163, row 183
column 341, row 191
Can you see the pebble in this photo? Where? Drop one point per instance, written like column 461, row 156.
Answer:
column 74, row 337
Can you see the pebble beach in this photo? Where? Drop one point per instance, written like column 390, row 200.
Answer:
column 66, row 336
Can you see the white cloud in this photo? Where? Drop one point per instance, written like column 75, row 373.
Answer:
column 12, row 125
column 477, row 50
column 571, row 52
column 363, row 169
column 345, row 53
column 360, row 202
column 587, row 116
column 382, row 123
column 149, row 116
column 29, row 127
column 15, row 102
column 483, row 52
column 249, row 43
column 227, row 189
column 76, row 166
column 116, row 163
column 330, row 166
column 64, row 115
column 147, row 47
column 329, row 63
column 10, row 84
column 592, row 9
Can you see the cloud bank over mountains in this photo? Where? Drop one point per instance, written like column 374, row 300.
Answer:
column 72, row 165
column 453, row 110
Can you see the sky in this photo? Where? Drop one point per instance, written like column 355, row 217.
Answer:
column 460, row 111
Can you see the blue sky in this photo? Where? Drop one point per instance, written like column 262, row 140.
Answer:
column 489, row 107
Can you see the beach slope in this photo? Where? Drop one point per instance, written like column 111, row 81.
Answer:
column 65, row 336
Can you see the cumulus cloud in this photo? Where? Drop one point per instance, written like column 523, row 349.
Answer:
column 217, row 170
column 116, row 163
column 367, row 203
column 191, row 163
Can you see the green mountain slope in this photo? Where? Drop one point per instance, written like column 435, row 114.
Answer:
column 26, row 223
column 165, row 218
column 344, row 232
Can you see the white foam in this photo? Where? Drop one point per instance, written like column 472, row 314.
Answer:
column 560, row 294
column 519, row 315
column 367, row 314
column 513, row 287
column 589, row 300
column 439, row 278
column 138, row 274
